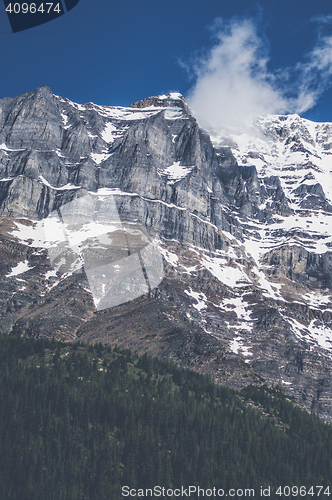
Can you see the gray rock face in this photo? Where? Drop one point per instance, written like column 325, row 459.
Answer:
column 244, row 231
column 51, row 146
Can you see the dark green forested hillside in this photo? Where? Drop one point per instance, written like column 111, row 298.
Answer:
column 81, row 421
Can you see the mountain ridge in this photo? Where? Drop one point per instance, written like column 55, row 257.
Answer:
column 246, row 288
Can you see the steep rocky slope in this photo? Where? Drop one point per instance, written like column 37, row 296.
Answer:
column 130, row 226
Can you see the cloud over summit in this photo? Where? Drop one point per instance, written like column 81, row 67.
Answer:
column 233, row 84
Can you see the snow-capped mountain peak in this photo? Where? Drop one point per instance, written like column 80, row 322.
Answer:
column 241, row 225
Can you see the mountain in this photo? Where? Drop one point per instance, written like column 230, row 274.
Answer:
column 133, row 226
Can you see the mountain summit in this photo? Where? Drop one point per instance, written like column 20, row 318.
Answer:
column 242, row 225
column 172, row 99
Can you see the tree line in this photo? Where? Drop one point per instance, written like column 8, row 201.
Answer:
column 79, row 421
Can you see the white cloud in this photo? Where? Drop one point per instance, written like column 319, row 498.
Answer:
column 314, row 74
column 233, row 83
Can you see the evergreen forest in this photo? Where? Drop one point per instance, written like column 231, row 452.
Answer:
column 82, row 421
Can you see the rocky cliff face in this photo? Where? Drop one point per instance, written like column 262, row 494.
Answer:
column 242, row 222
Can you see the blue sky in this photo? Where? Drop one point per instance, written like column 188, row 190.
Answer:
column 117, row 52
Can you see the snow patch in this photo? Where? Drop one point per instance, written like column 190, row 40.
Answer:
column 173, row 113
column 315, row 333
column 236, row 304
column 176, row 172
column 107, row 133
column 20, row 268
column 65, row 120
column 271, row 290
column 3, row 147
column 33, row 235
column 50, row 274
column 170, row 257
column 111, row 192
column 98, row 158
column 230, row 276
column 200, row 297
column 67, row 186
column 237, row 346
column 176, row 96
